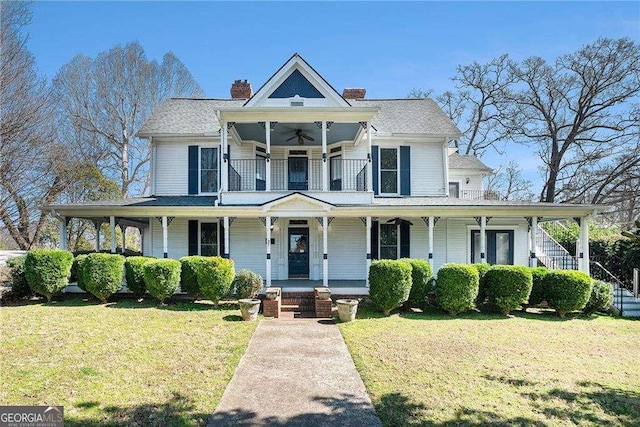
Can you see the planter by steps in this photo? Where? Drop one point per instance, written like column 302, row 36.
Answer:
column 249, row 308
column 347, row 309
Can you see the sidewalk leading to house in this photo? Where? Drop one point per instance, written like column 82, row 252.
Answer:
column 296, row 373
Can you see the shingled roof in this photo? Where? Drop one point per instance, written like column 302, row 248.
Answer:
column 178, row 116
column 459, row 161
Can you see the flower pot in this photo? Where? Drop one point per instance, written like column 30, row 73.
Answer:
column 347, row 309
column 249, row 308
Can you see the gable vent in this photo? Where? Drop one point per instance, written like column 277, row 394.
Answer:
column 297, row 103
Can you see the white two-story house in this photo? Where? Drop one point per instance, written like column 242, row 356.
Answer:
column 307, row 186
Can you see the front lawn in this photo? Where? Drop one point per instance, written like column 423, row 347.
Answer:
column 124, row 363
column 477, row 369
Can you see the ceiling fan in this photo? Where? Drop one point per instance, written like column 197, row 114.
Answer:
column 301, row 137
column 398, row 221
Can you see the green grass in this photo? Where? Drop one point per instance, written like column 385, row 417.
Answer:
column 123, row 363
column 529, row 369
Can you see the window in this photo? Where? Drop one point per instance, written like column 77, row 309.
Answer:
column 209, row 239
column 499, row 246
column 208, row 170
column 388, row 171
column 454, row 189
column 261, row 172
column 335, row 172
column 388, row 241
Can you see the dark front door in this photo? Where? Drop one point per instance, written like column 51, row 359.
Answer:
column 298, row 252
column 298, row 173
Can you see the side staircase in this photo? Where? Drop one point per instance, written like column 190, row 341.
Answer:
column 552, row 254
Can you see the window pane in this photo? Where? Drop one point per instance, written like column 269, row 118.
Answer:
column 476, row 247
column 503, row 245
column 208, row 158
column 388, row 158
column 388, row 252
column 208, row 234
column 388, row 234
column 209, row 250
column 336, row 167
column 208, row 181
column 454, row 189
column 388, row 182
column 261, row 167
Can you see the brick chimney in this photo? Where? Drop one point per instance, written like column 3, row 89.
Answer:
column 354, row 93
column 241, row 89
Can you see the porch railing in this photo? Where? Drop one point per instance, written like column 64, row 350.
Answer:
column 476, row 195
column 301, row 175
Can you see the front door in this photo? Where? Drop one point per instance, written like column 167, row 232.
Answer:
column 298, row 252
column 298, row 173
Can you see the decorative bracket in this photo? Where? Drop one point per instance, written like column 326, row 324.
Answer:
column 578, row 220
column 231, row 219
column 329, row 219
column 479, row 219
column 363, row 125
column 230, row 125
column 426, row 220
column 169, row 219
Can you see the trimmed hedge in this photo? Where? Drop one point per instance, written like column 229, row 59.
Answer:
column 457, row 287
column 162, row 277
column 103, row 274
column 247, row 284
column 537, row 290
column 134, row 273
column 80, row 272
column 389, row 284
column 421, row 274
column 508, row 286
column 48, row 270
column 19, row 285
column 567, row 290
column 601, row 297
column 482, row 288
column 189, row 275
column 215, row 276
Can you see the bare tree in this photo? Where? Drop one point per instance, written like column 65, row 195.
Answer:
column 34, row 167
column 508, row 181
column 575, row 113
column 104, row 102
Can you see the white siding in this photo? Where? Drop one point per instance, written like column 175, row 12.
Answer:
column 420, row 241
column 172, row 168
column 244, row 151
column 178, row 238
column 247, row 245
column 427, row 170
column 347, row 249
column 460, row 176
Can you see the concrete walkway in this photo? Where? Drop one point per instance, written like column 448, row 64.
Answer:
column 296, row 373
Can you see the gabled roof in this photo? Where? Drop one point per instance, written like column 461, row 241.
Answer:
column 467, row 162
column 296, row 64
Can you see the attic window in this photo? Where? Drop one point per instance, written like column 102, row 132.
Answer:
column 297, row 103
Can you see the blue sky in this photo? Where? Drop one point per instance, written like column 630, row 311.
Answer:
column 387, row 47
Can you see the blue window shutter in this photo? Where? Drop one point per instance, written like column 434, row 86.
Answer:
column 222, row 252
column 193, row 169
column 374, row 239
column 405, row 170
column 375, row 163
column 405, row 240
column 193, row 237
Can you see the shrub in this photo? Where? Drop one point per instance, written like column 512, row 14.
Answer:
column 80, row 272
column 189, row 275
column 48, row 270
column 537, row 289
column 19, row 285
column 421, row 274
column 389, row 284
column 567, row 290
column 482, row 288
column 508, row 286
column 457, row 287
column 103, row 274
column 601, row 297
column 247, row 284
column 162, row 277
column 215, row 276
column 134, row 273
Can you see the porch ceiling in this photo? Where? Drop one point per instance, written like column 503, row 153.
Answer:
column 283, row 131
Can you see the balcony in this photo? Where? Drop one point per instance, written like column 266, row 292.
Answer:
column 476, row 195
column 298, row 174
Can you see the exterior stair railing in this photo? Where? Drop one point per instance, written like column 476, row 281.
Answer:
column 599, row 272
column 552, row 254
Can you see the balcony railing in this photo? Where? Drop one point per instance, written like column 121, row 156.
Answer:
column 299, row 174
column 476, row 195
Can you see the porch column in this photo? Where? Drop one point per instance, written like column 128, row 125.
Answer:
column 325, row 244
column 267, row 129
column 267, row 224
column 224, row 175
column 370, row 168
column 584, row 244
column 431, row 225
column 225, row 221
column 368, row 226
column 325, row 169
column 63, row 233
column 534, row 241
column 123, row 235
column 483, row 240
column 112, row 226
column 97, row 225
column 165, row 237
